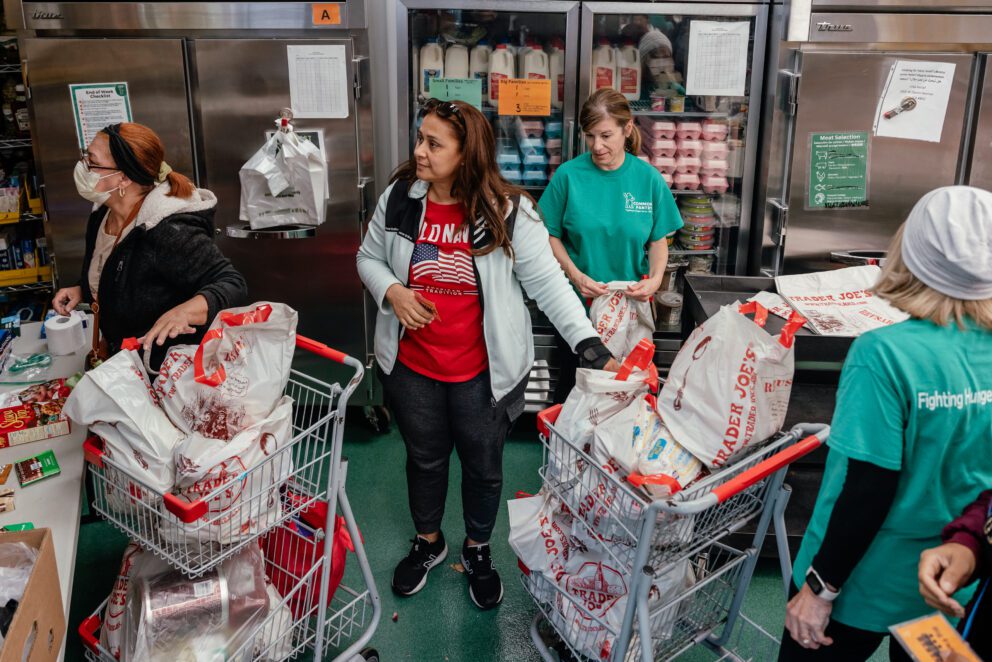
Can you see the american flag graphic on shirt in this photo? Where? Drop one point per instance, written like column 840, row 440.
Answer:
column 442, row 266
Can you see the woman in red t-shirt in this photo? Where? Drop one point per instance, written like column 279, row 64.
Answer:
column 448, row 254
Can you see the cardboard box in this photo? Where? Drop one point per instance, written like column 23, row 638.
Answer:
column 38, row 628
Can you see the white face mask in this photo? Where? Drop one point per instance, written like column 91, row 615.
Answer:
column 86, row 182
column 661, row 65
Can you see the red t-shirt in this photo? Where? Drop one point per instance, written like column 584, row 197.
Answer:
column 452, row 348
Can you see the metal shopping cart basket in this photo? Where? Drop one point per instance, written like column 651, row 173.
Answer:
column 678, row 543
column 300, row 477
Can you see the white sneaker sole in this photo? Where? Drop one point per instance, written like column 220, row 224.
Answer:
column 472, row 595
column 423, row 582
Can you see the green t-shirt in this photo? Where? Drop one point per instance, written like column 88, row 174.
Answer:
column 606, row 218
column 917, row 398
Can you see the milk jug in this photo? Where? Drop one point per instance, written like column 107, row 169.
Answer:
column 535, row 64
column 556, row 67
column 478, row 65
column 629, row 71
column 456, row 62
column 500, row 68
column 604, row 65
column 431, row 65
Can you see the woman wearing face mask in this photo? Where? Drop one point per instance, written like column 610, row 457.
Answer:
column 658, row 64
column 151, row 268
column 604, row 209
column 448, row 254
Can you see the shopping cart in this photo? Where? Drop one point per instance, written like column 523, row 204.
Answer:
column 197, row 536
column 648, row 542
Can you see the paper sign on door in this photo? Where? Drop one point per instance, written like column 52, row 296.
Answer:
column 98, row 105
column 518, row 96
column 914, row 100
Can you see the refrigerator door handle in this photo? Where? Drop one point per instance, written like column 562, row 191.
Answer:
column 363, row 208
column 356, row 62
column 571, row 141
column 780, row 220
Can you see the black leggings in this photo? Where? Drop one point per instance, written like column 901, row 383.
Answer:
column 437, row 417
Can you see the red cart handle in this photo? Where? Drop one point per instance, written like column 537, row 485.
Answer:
column 87, row 632
column 767, row 467
column 93, row 450
column 187, row 511
column 547, row 417
column 320, row 349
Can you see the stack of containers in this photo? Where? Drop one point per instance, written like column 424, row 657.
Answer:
column 533, row 157
column 713, row 157
column 659, row 146
column 552, row 144
column 699, row 230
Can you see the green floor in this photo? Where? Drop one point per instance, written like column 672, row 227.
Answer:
column 440, row 623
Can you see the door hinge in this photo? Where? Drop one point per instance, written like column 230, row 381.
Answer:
column 780, row 221
column 357, row 64
column 790, row 91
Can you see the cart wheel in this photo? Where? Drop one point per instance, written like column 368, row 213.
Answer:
column 370, row 655
column 378, row 418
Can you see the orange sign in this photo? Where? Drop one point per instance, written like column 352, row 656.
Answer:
column 327, row 13
column 927, row 639
column 519, row 96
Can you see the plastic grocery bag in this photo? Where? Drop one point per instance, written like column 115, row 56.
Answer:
column 621, row 321
column 541, row 533
column 284, row 183
column 729, row 386
column 235, row 376
column 594, row 602
column 135, row 564
column 118, row 404
column 251, row 468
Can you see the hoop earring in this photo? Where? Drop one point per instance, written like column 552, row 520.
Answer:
column 120, row 191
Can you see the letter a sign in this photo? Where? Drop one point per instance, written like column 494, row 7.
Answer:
column 327, row 14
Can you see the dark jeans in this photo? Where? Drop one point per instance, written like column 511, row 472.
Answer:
column 435, row 417
column 568, row 363
column 850, row 645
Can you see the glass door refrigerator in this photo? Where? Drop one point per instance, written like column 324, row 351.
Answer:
column 463, row 49
column 693, row 75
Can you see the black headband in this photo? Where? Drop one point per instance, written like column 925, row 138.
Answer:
column 124, row 157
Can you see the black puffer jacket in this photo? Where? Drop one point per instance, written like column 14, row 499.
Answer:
column 167, row 258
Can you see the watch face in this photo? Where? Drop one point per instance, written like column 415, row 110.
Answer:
column 814, row 583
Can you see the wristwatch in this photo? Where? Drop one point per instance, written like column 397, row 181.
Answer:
column 819, row 587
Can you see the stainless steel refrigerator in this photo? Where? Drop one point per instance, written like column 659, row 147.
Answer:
column 909, row 81
column 211, row 78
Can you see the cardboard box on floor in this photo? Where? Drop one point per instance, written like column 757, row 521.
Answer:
column 36, row 633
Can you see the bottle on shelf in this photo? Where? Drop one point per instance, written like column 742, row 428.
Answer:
column 629, row 70
column 556, row 69
column 21, row 112
column 604, row 65
column 535, row 65
column 501, row 67
column 8, row 100
column 456, row 61
column 431, row 64
column 478, row 65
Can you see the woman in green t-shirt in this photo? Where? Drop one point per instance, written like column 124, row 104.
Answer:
column 608, row 213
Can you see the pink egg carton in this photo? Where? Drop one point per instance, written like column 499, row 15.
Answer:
column 713, row 184
column 690, row 147
column 664, row 164
column 552, row 144
column 661, row 147
column 687, row 164
column 715, row 167
column 686, row 182
column 644, row 157
column 657, row 128
column 714, row 130
column 689, row 130
column 554, row 159
column 530, row 128
column 668, row 179
column 715, row 150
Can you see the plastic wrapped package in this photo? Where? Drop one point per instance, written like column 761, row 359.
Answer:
column 170, row 617
column 657, row 129
column 687, row 164
column 284, row 183
column 691, row 148
column 715, row 150
column 715, row 167
column 714, row 184
column 660, row 147
column 688, row 130
column 714, row 130
column 686, row 182
column 664, row 164
column 16, row 562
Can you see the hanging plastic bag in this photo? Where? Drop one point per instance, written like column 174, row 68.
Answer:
column 251, row 467
column 118, row 404
column 729, row 386
column 233, row 379
column 284, row 183
column 621, row 321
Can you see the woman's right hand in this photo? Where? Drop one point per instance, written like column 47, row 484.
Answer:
column 67, row 299
column 412, row 314
column 588, row 288
column 943, row 570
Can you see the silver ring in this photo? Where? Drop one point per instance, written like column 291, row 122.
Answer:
column 805, row 641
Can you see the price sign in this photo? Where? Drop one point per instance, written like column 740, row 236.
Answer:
column 519, row 96
column 468, row 90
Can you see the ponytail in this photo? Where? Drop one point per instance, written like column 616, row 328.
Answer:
column 633, row 142
column 180, row 185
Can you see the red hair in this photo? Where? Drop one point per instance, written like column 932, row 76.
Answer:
column 150, row 153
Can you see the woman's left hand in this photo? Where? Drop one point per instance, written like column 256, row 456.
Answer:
column 807, row 617
column 172, row 324
column 643, row 290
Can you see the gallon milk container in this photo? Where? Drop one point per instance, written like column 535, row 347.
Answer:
column 629, row 71
column 478, row 65
column 456, row 61
column 535, row 65
column 431, row 65
column 604, row 66
column 500, row 68
column 556, row 67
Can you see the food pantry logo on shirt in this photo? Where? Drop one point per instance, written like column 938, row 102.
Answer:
column 630, row 204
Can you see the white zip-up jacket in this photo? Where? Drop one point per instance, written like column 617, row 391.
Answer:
column 384, row 260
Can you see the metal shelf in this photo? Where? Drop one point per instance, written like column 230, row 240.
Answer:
column 683, row 252
column 45, row 286
column 10, row 68
column 15, row 143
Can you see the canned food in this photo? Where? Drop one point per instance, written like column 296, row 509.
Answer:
column 175, row 607
column 701, row 264
column 676, row 104
column 669, row 308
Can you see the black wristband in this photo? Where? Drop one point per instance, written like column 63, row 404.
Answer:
column 593, row 353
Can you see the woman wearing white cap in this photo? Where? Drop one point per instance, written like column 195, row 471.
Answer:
column 911, row 436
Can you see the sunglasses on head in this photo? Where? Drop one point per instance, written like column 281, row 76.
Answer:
column 443, row 109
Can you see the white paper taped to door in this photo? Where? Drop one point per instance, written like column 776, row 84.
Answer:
column 318, row 81
column 914, row 100
column 717, row 62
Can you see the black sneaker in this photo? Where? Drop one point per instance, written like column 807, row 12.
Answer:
column 484, row 586
column 411, row 573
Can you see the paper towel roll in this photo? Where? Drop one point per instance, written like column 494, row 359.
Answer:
column 65, row 334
